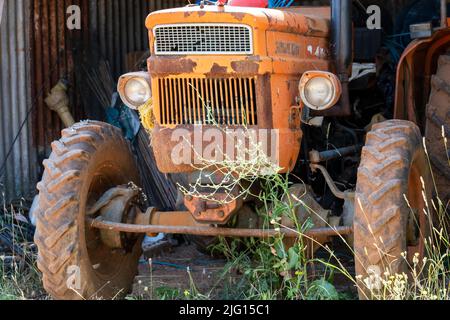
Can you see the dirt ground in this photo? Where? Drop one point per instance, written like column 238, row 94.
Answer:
column 176, row 270
column 166, row 276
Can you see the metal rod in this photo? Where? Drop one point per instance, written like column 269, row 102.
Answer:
column 99, row 223
column 338, row 153
column 344, row 195
column 317, row 157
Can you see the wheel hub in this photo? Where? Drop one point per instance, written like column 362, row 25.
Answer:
column 116, row 205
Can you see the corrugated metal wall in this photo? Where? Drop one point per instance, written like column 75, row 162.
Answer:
column 36, row 51
column 53, row 47
column 15, row 102
column 110, row 30
column 61, row 53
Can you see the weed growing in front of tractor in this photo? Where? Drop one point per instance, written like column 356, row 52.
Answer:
column 240, row 162
column 274, row 268
column 277, row 267
column 280, row 268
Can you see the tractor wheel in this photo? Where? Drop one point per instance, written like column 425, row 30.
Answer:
column 438, row 121
column 90, row 159
column 386, row 225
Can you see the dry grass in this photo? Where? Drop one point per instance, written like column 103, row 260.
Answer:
column 19, row 277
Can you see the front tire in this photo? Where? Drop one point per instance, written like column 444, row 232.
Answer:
column 386, row 225
column 91, row 158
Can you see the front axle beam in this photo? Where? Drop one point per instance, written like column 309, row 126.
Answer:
column 100, row 223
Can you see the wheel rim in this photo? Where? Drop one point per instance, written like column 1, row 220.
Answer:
column 105, row 262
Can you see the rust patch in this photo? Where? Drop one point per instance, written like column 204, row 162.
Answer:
column 218, row 69
column 171, row 65
column 201, row 13
column 246, row 67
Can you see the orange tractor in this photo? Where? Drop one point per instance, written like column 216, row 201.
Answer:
column 289, row 71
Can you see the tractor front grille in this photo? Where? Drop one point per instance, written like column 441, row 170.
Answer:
column 202, row 38
column 221, row 101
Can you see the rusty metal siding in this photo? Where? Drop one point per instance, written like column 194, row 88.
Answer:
column 53, row 47
column 110, row 30
column 18, row 172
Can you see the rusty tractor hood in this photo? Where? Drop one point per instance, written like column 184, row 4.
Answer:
column 283, row 40
column 286, row 43
column 308, row 21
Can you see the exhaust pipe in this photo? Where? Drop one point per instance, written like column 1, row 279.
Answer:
column 341, row 48
column 342, row 36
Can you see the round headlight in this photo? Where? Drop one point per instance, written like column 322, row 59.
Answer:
column 320, row 90
column 137, row 91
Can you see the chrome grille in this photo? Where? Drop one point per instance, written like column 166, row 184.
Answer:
column 223, row 101
column 203, row 39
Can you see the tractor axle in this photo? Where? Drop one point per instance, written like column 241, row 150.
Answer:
column 101, row 223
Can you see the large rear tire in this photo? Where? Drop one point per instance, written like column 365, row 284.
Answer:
column 438, row 120
column 91, row 158
column 386, row 225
